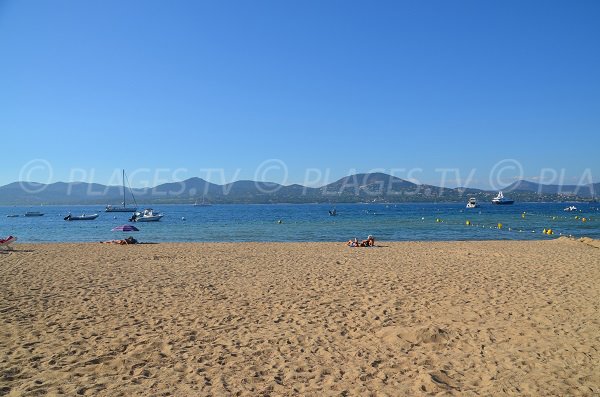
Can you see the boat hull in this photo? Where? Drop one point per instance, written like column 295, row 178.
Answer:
column 154, row 218
column 506, row 202
column 121, row 209
column 81, row 218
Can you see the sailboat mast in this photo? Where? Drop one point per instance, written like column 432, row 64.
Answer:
column 124, row 202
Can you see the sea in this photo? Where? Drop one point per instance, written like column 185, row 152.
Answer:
column 310, row 222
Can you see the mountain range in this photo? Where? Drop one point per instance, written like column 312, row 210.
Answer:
column 372, row 187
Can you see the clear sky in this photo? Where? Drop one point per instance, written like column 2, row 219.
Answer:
column 320, row 89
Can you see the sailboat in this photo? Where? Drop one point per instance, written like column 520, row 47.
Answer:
column 123, row 207
column 202, row 204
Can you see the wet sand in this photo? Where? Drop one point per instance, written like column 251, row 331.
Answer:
column 258, row 319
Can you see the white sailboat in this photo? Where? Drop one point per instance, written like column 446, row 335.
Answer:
column 202, row 204
column 123, row 207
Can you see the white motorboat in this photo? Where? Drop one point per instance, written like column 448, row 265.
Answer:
column 501, row 200
column 472, row 203
column 571, row 208
column 148, row 215
column 33, row 213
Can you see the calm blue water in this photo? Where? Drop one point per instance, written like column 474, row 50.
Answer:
column 309, row 222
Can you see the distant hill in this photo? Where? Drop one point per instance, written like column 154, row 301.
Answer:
column 584, row 191
column 371, row 187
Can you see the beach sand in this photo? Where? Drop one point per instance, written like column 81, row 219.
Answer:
column 316, row 319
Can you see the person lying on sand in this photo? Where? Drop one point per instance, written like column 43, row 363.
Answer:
column 128, row 240
column 353, row 243
column 369, row 242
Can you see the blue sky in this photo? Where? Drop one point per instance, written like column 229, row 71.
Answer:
column 300, row 92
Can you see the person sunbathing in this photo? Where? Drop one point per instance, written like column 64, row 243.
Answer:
column 126, row 241
column 353, row 243
column 369, row 242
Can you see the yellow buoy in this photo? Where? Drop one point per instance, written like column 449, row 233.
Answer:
column 550, row 232
column 583, row 219
column 499, row 226
column 544, row 231
column 523, row 215
column 468, row 223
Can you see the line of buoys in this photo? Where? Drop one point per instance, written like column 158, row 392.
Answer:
column 557, row 217
column 500, row 226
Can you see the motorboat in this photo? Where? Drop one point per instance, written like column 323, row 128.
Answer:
column 33, row 213
column 148, row 215
column 333, row 212
column 123, row 207
column 82, row 217
column 501, row 200
column 571, row 208
column 12, row 215
column 472, row 203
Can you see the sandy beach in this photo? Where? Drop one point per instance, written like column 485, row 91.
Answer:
column 317, row 319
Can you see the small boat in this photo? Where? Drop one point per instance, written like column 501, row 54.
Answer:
column 148, row 215
column 333, row 212
column 202, row 204
column 123, row 207
column 571, row 208
column 472, row 203
column 33, row 213
column 13, row 216
column 501, row 200
column 82, row 217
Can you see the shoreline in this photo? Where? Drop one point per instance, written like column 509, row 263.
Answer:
column 409, row 318
column 595, row 243
column 191, row 204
